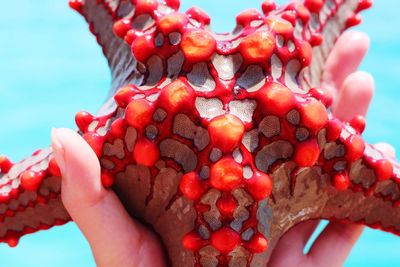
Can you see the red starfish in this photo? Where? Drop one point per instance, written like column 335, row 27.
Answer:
column 227, row 136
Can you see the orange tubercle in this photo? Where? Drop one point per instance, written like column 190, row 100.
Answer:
column 5, row 164
column 53, row 167
column 383, row 169
column 139, row 113
column 225, row 240
column 146, row 152
column 192, row 186
column 192, row 241
column 341, row 181
column 31, row 180
column 124, row 95
column 306, row 153
column 177, row 95
column 226, row 174
column 257, row 244
column 280, row 26
column 259, row 186
column 257, row 47
column 276, row 98
column 355, row 147
column 198, row 45
column 314, row 115
column 227, row 205
column 226, row 132
column 172, row 22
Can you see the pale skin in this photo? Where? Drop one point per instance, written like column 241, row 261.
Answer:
column 116, row 239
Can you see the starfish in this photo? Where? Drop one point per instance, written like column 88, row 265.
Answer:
column 220, row 142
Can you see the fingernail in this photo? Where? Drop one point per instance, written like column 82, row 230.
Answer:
column 58, row 149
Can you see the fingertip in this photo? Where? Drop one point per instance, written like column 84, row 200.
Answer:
column 335, row 242
column 355, row 96
column 345, row 57
column 79, row 166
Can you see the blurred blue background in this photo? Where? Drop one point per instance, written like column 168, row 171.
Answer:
column 51, row 67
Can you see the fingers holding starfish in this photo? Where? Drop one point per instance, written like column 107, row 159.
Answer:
column 345, row 58
column 115, row 238
column 289, row 250
column 334, row 244
column 355, row 96
column 352, row 90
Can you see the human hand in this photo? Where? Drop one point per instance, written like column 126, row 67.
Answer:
column 352, row 92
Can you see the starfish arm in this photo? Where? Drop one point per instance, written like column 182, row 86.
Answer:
column 326, row 21
column 363, row 190
column 30, row 196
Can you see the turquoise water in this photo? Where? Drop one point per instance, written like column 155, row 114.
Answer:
column 51, row 67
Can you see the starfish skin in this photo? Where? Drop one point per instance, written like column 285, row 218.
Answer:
column 221, row 142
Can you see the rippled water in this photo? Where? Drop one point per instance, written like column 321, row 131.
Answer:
column 51, row 67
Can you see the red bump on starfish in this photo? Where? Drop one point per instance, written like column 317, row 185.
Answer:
column 300, row 10
column 267, row 6
column 198, row 15
column 145, row 6
column 341, row 181
column 354, row 20
column 54, row 169
column 174, row 22
column 143, row 47
column 146, row 152
column 355, row 147
column 246, row 17
column 314, row 5
column 259, row 185
column 77, row 5
column 130, row 37
column 124, row 95
column 107, row 179
column 30, row 180
column 276, row 98
column 118, row 128
column 226, row 174
column 358, row 124
column 257, row 244
column 383, row 169
column 322, row 95
column 306, row 153
column 363, row 4
column 226, row 132
column 95, row 141
column 257, row 47
column 192, row 186
column 177, row 96
column 333, row 129
column 305, row 53
column 280, row 26
column 83, row 119
column 121, row 27
column 139, row 113
column 227, row 205
column 174, row 4
column 5, row 164
column 225, row 240
column 313, row 114
column 197, row 45
column 192, row 241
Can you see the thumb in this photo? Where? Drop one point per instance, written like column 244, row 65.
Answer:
column 115, row 238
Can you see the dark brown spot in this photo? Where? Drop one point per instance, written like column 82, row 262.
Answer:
column 270, row 126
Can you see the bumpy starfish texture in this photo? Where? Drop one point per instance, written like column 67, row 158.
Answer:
column 221, row 142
